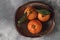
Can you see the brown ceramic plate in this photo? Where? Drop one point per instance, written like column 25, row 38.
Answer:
column 47, row 26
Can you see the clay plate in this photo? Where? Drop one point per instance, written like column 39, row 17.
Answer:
column 47, row 26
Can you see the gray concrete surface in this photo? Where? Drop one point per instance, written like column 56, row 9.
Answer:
column 7, row 27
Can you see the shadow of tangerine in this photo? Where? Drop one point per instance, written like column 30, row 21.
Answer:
column 47, row 26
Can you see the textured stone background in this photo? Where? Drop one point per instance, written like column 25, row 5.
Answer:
column 7, row 27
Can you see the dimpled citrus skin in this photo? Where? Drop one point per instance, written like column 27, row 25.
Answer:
column 32, row 16
column 34, row 26
column 31, row 13
column 43, row 19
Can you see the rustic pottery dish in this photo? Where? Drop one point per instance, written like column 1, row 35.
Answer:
column 47, row 26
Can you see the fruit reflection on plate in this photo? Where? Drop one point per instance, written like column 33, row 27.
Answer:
column 34, row 19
